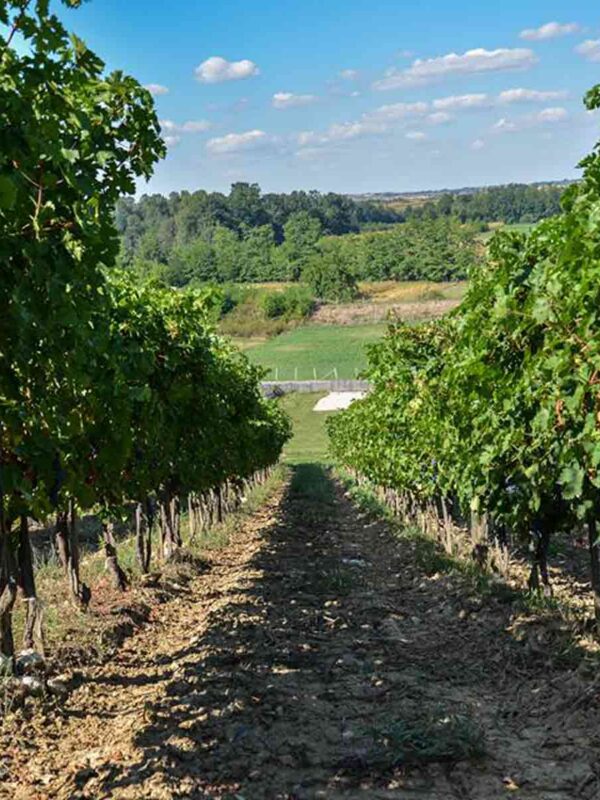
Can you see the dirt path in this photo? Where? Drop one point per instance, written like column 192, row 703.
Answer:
column 312, row 655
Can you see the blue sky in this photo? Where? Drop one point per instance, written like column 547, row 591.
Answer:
column 358, row 95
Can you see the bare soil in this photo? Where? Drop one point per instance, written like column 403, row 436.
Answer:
column 283, row 670
column 365, row 312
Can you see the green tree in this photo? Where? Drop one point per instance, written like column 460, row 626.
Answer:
column 246, row 206
column 257, row 246
column 302, row 232
column 192, row 262
column 150, row 271
column 228, row 254
column 184, row 217
column 151, row 248
column 329, row 277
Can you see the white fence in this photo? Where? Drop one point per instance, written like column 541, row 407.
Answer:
column 291, row 373
column 269, row 387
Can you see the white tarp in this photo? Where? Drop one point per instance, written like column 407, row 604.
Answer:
column 335, row 401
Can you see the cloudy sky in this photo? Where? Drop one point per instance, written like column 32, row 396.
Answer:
column 358, row 95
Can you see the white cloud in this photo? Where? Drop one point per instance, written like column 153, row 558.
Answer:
column 353, row 130
column 478, row 144
column 309, row 152
column 378, row 121
column 590, row 49
column 557, row 114
column 466, row 102
column 218, row 70
column 156, row 89
column 396, row 111
column 374, row 122
column 284, row 100
column 473, row 61
column 440, row 118
column 504, row 126
column 238, row 142
column 192, row 126
column 461, row 102
column 415, row 136
column 342, row 132
column 171, row 141
column 529, row 96
column 349, row 74
column 551, row 30
column 198, row 126
column 547, row 116
column 308, row 137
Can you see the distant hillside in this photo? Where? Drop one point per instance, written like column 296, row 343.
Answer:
column 512, row 202
column 432, row 194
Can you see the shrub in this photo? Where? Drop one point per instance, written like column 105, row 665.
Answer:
column 296, row 302
column 274, row 305
column 232, row 297
column 329, row 277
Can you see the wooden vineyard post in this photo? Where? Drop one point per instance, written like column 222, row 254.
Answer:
column 111, row 558
column 32, row 632
column 8, row 593
column 67, row 545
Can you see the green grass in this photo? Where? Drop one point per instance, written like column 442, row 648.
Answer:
column 248, row 319
column 317, row 350
column 428, row 737
column 311, row 485
column 520, row 227
column 310, row 441
column 517, row 227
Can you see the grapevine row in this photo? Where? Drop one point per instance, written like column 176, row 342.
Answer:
column 111, row 393
column 495, row 411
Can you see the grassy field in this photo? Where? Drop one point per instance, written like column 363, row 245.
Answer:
column 518, row 227
column 410, row 291
column 338, row 350
column 386, row 291
column 310, row 440
column 248, row 327
column 317, row 351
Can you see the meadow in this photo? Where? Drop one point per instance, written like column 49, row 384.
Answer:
column 332, row 344
column 309, row 443
column 317, row 352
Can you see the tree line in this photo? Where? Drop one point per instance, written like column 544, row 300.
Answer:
column 152, row 227
column 249, row 237
column 431, row 249
column 491, row 417
column 513, row 203
column 436, row 249
column 112, row 392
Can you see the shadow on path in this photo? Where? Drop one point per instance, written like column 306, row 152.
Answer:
column 323, row 643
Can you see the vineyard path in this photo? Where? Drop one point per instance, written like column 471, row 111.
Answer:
column 280, row 671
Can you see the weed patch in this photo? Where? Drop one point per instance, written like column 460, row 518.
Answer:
column 434, row 736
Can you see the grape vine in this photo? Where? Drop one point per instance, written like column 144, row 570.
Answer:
column 110, row 393
column 496, row 409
